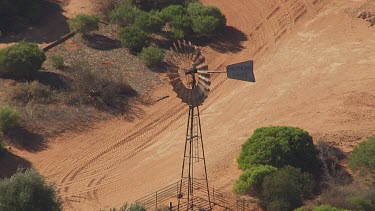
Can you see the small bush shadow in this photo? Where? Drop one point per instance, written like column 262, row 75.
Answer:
column 51, row 79
column 24, row 139
column 101, row 42
column 10, row 163
column 229, row 42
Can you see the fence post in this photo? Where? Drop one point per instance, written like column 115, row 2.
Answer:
column 213, row 194
column 156, row 201
column 237, row 203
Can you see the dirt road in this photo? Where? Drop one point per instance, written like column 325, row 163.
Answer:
column 314, row 66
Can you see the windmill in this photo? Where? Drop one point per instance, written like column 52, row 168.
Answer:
column 191, row 79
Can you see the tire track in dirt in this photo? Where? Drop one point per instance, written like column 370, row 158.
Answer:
column 274, row 20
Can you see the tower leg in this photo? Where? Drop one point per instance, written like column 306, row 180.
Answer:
column 194, row 193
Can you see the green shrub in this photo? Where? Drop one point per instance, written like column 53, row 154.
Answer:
column 300, row 209
column 206, row 19
column 148, row 22
column 57, row 61
column 205, row 25
column 21, row 60
column 24, row 93
column 133, row 38
column 279, row 146
column 151, row 56
column 28, row 191
column 183, row 23
column 363, row 156
column 8, row 118
column 156, row 4
column 286, row 189
column 252, row 178
column 361, row 203
column 167, row 14
column 176, row 34
column 124, row 15
column 84, row 24
column 136, row 207
column 132, row 207
column 327, row 208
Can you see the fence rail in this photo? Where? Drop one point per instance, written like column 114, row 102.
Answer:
column 167, row 198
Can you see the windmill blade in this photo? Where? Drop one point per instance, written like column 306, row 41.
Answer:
column 192, row 49
column 180, row 46
column 185, row 48
column 197, row 55
column 175, row 48
column 204, row 86
column 200, row 60
column 202, row 67
column 204, row 78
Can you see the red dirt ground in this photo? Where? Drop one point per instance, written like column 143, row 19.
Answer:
column 314, row 66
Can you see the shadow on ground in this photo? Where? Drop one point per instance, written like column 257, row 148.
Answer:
column 26, row 140
column 52, row 26
column 333, row 172
column 51, row 79
column 9, row 163
column 101, row 42
column 229, row 42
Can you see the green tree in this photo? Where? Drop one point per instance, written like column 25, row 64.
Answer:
column 84, row 24
column 363, row 156
column 279, row 146
column 133, row 38
column 28, row 191
column 252, row 179
column 151, row 56
column 8, row 118
column 21, row 60
column 286, row 188
column 148, row 22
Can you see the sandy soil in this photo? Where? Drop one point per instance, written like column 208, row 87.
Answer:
column 314, row 66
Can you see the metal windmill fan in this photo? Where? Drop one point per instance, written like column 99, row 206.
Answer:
column 190, row 78
column 189, row 73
